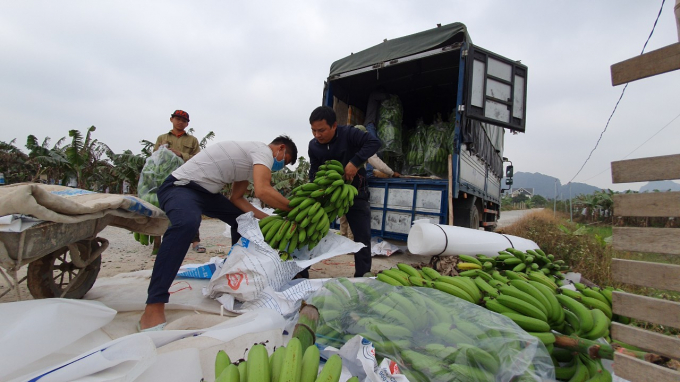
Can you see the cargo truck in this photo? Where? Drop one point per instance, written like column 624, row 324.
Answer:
column 437, row 76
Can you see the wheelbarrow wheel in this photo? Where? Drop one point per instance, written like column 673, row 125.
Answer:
column 50, row 275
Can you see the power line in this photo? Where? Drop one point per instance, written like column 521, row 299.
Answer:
column 622, row 92
column 634, row 150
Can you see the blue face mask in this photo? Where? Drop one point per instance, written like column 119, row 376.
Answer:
column 278, row 164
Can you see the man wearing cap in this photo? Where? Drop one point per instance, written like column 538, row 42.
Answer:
column 184, row 146
column 194, row 190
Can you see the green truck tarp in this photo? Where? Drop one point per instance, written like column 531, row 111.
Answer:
column 402, row 47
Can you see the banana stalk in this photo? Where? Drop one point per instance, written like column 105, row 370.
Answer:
column 306, row 325
column 597, row 350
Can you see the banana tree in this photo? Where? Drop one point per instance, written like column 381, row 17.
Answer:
column 14, row 163
column 85, row 158
column 127, row 167
column 51, row 162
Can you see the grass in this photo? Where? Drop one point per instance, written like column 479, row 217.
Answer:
column 588, row 251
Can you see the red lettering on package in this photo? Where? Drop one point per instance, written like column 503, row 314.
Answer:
column 234, row 280
column 394, row 368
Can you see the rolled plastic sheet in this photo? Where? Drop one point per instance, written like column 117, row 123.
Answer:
column 429, row 239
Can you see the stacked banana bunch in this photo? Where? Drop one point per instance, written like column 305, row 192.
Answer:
column 288, row 363
column 315, row 205
column 536, row 302
column 428, row 340
column 144, row 239
column 516, row 261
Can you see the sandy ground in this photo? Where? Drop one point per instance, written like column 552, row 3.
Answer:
column 125, row 255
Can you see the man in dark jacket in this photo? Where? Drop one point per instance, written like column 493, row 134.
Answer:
column 352, row 147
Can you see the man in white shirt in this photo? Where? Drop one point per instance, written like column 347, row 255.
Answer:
column 194, row 190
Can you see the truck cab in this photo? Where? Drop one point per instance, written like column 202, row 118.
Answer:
column 459, row 99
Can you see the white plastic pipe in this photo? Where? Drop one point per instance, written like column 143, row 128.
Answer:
column 435, row 239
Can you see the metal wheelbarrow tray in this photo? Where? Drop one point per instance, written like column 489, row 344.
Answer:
column 63, row 258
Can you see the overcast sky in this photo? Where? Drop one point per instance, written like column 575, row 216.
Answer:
column 254, row 70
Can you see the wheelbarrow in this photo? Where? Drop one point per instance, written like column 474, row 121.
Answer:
column 63, row 258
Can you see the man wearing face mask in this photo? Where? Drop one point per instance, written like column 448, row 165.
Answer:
column 194, row 190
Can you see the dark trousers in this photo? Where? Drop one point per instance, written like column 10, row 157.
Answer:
column 359, row 219
column 184, row 206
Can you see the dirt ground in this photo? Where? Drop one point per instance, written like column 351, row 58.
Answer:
column 125, row 255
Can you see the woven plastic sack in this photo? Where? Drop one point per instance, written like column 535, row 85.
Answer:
column 431, row 335
column 390, row 117
column 157, row 167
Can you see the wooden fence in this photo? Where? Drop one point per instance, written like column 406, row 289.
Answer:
column 646, row 274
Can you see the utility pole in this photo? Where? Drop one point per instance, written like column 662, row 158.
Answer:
column 571, row 209
column 555, row 200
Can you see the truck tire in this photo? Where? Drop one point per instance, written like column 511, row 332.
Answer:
column 468, row 218
column 467, row 214
column 50, row 275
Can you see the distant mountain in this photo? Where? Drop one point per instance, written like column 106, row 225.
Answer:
column 544, row 185
column 662, row 185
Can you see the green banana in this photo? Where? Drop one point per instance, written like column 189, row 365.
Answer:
column 522, row 306
column 573, row 321
column 221, row 362
column 397, row 276
column 554, row 306
column 509, row 290
column 601, row 325
column 546, row 337
column 584, row 316
column 485, row 287
column 268, row 219
column 230, row 374
column 351, row 289
column 458, row 281
column 331, row 370
column 243, row 371
column 431, row 273
column 470, row 259
column 273, row 230
column 310, row 364
column 276, row 363
column 282, row 230
column 408, row 269
column 258, row 369
column 529, row 324
column 537, row 298
column 292, row 363
column 497, row 307
column 594, row 303
column 454, row 291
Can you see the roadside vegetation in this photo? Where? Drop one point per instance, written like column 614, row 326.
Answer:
column 587, row 248
column 78, row 160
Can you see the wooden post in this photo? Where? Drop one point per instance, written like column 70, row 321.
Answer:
column 451, row 189
column 677, row 17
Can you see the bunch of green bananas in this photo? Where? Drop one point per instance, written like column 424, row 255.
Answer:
column 426, row 338
column 436, row 151
column 288, row 363
column 314, row 206
column 516, row 261
column 536, row 302
column 144, row 239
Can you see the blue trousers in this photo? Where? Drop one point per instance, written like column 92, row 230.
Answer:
column 184, row 206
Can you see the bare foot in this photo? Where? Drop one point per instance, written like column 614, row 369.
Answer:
column 154, row 314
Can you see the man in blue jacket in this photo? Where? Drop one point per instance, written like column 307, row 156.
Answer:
column 352, row 147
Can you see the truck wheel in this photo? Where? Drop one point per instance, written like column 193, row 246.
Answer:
column 50, row 275
column 468, row 218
